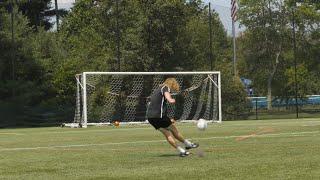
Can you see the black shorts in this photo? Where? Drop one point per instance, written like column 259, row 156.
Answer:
column 157, row 123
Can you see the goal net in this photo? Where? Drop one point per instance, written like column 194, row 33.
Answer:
column 105, row 97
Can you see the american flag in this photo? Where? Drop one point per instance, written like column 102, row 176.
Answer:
column 234, row 9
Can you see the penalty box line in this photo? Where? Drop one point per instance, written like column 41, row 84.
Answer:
column 293, row 134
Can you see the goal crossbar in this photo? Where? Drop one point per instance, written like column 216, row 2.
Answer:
column 152, row 73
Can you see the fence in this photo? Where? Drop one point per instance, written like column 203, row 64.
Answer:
column 284, row 107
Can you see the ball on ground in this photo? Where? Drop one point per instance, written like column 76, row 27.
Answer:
column 116, row 123
column 202, row 124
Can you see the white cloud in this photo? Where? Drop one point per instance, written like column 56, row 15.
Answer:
column 224, row 3
column 63, row 4
column 66, row 1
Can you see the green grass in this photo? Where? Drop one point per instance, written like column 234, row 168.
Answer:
column 276, row 149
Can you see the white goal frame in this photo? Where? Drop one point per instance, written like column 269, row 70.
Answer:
column 83, row 84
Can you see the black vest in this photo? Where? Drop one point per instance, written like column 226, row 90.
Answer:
column 157, row 105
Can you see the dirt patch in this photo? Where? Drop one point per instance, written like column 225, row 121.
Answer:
column 262, row 130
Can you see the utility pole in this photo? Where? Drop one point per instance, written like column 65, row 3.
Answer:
column 234, row 49
column 57, row 13
column 210, row 38
column 295, row 59
column 118, row 35
column 12, row 46
column 213, row 92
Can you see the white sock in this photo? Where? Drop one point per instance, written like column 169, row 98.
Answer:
column 180, row 149
column 187, row 143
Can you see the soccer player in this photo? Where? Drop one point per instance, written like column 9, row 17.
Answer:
column 157, row 116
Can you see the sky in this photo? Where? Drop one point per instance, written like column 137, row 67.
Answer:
column 64, row 4
column 222, row 7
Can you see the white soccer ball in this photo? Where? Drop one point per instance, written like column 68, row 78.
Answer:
column 202, row 124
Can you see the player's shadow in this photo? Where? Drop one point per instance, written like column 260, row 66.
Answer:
column 167, row 155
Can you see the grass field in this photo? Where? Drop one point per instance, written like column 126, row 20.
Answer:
column 268, row 149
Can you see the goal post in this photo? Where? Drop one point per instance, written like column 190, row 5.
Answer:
column 103, row 97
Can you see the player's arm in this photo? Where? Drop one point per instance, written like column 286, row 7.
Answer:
column 169, row 98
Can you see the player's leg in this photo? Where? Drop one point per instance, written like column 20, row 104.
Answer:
column 173, row 129
column 180, row 138
column 169, row 137
column 172, row 142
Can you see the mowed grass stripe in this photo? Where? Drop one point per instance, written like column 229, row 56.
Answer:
column 292, row 134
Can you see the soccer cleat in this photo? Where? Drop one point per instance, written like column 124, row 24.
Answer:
column 193, row 145
column 184, row 154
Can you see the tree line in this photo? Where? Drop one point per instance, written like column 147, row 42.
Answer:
column 267, row 51
column 37, row 66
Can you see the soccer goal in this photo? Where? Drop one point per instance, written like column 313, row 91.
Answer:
column 105, row 97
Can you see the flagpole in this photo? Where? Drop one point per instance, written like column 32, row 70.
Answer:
column 210, row 38
column 233, row 18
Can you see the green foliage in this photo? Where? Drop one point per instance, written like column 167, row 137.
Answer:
column 37, row 12
column 235, row 104
column 152, row 35
column 266, row 46
column 306, row 82
column 27, row 64
column 18, row 65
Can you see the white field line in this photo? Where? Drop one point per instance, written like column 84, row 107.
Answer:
column 265, row 122
column 293, row 134
column 80, row 131
column 11, row 134
column 98, row 130
column 311, row 125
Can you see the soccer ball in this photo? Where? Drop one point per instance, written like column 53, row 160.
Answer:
column 202, row 124
column 116, row 123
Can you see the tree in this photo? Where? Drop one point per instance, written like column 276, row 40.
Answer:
column 36, row 11
column 265, row 39
column 32, row 56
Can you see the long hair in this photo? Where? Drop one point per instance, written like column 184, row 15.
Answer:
column 172, row 84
